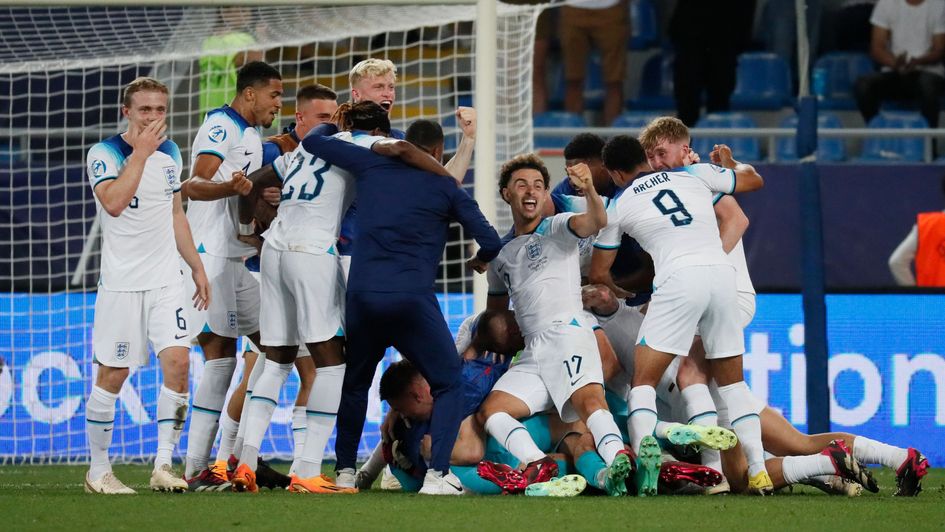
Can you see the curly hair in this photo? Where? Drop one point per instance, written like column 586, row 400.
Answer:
column 526, row 160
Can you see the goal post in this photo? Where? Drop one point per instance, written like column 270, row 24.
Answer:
column 61, row 73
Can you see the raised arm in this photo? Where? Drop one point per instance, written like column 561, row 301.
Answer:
column 595, row 218
column 459, row 164
column 116, row 194
column 746, row 178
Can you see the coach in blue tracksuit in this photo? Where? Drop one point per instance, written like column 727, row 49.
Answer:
column 403, row 220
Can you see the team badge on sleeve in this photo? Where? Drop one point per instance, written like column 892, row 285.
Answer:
column 217, row 134
column 98, row 168
column 121, row 350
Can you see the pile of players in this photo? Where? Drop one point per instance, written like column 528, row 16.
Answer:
column 574, row 386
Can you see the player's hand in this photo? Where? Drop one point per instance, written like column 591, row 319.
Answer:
column 240, row 184
column 580, row 176
column 147, row 139
column 466, row 119
column 691, row 157
column 252, row 240
column 900, row 64
column 477, row 265
column 722, row 156
column 201, row 297
column 400, row 458
column 387, row 426
column 272, row 195
column 910, row 65
column 599, row 299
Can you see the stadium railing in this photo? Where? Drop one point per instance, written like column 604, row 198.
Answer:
column 770, row 135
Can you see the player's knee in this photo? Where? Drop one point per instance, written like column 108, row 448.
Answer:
column 467, row 452
column 111, row 379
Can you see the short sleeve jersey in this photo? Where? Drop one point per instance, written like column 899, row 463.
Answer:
column 578, row 204
column 671, row 215
column 737, row 258
column 541, row 273
column 139, row 251
column 315, row 197
column 227, row 135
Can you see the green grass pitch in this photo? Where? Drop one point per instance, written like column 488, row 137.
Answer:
column 51, row 498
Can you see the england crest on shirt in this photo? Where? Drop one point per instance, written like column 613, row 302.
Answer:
column 533, row 249
column 170, row 173
column 121, row 350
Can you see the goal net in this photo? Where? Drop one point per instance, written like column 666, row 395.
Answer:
column 61, row 74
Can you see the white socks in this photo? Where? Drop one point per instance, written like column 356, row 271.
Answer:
column 700, row 410
column 607, row 438
column 208, row 404
column 254, row 375
column 298, row 436
column 642, row 419
column 798, row 468
column 171, row 416
column 745, row 423
column 375, row 463
column 514, row 437
column 99, row 422
column 228, row 429
column 263, row 402
column 873, row 452
column 321, row 412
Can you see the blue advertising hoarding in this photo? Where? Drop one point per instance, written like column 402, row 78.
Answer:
column 887, row 372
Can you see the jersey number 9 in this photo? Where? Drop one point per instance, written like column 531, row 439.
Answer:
column 676, row 211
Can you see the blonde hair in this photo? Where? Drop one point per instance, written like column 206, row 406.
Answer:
column 370, row 68
column 142, row 84
column 663, row 128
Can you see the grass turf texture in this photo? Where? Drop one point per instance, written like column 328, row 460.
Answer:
column 51, row 497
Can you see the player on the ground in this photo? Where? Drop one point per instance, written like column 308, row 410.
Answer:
column 390, row 300
column 135, row 177
column 314, row 104
column 539, row 271
column 670, row 214
column 666, row 141
column 226, row 148
column 800, row 457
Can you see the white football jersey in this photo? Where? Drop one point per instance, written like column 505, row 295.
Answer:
column 541, row 273
column 578, row 204
column 315, row 197
column 737, row 258
column 138, row 247
column 670, row 214
column 215, row 224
